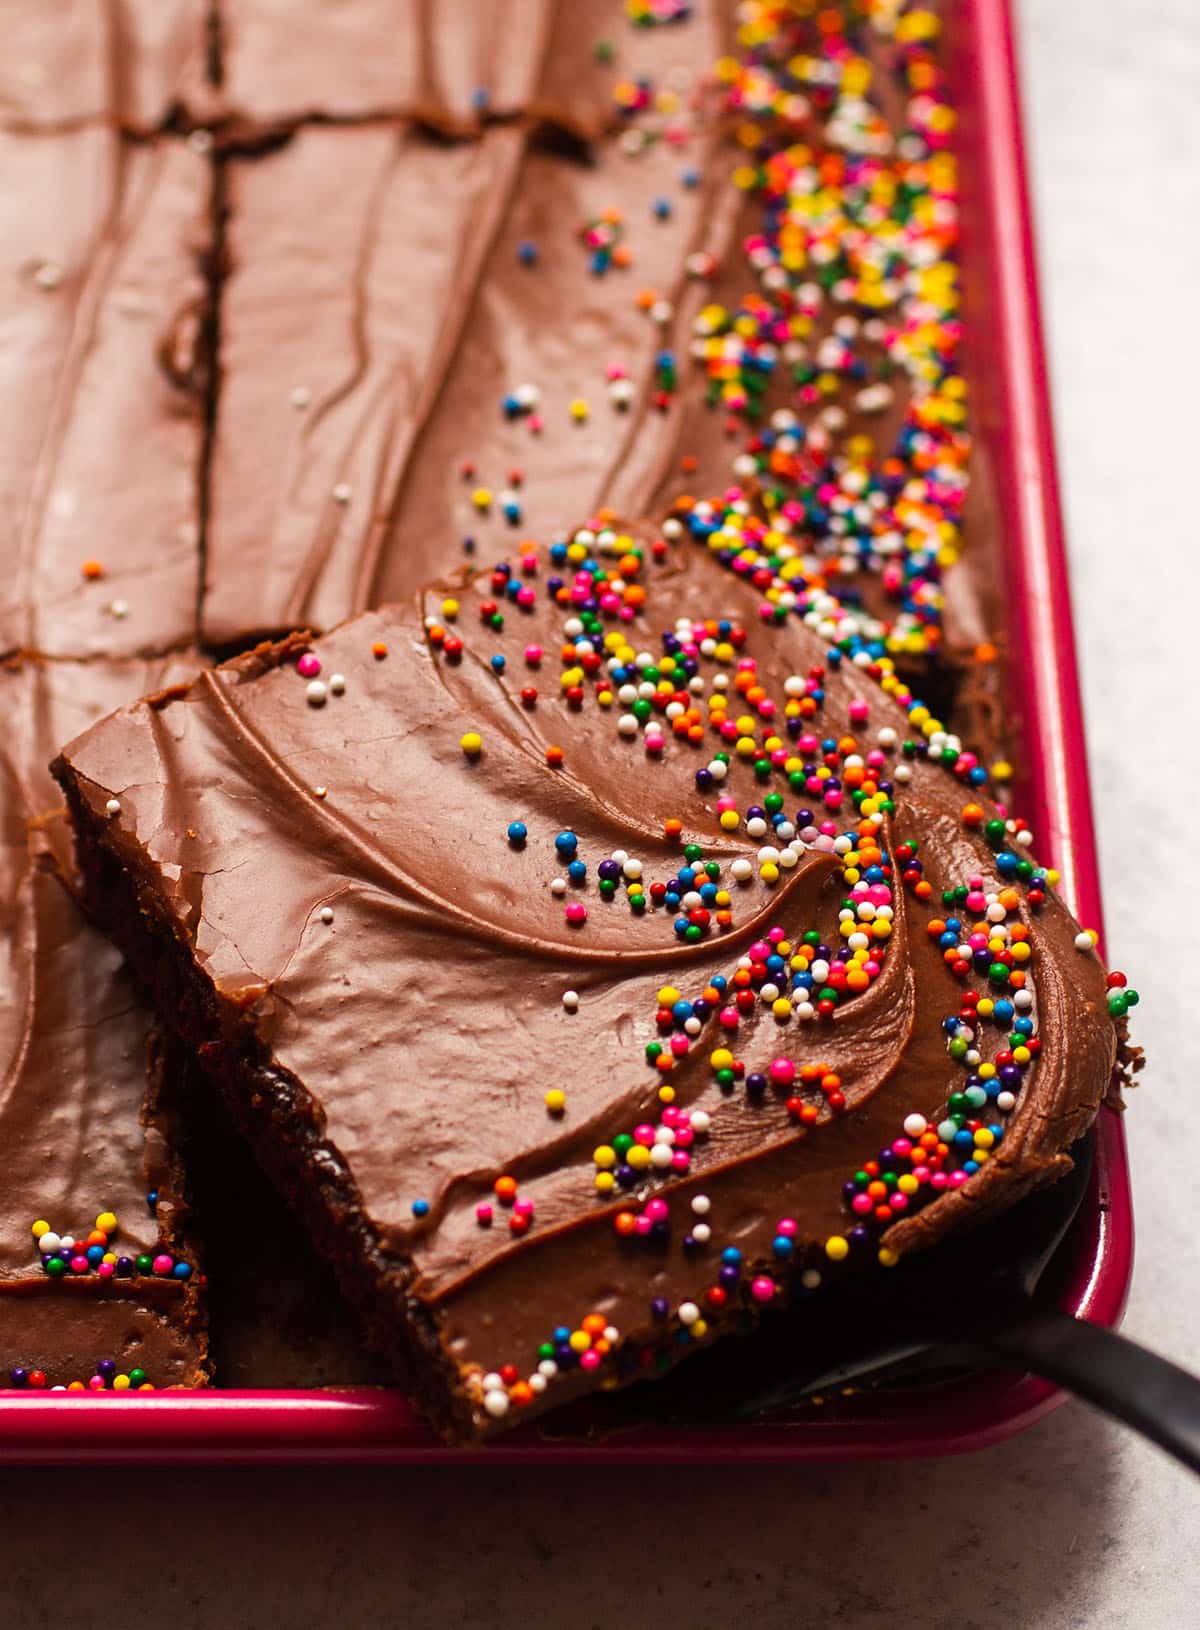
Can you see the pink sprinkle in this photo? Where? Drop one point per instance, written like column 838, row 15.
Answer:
column 656, row 1209
column 643, row 1134
column 309, row 665
column 483, row 1215
column 786, row 1227
column 576, row 913
column 105, row 1270
column 589, row 1360
column 762, row 1289
column 97, row 1383
column 860, row 712
column 533, row 655
column 163, row 1264
column 782, row 1072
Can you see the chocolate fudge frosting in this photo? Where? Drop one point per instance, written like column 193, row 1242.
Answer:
column 101, row 446
column 456, row 64
column 541, row 1083
column 84, row 1127
column 133, row 64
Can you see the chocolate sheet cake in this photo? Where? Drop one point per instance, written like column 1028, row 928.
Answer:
column 309, row 305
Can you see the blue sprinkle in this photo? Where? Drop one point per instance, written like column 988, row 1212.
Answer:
column 420, row 1208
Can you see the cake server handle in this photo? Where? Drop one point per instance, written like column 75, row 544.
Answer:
column 1125, row 1380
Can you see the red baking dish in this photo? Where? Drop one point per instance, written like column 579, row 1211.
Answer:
column 1093, row 1265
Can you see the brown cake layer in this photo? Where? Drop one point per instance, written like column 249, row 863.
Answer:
column 321, row 891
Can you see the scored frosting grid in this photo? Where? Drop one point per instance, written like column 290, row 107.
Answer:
column 398, row 292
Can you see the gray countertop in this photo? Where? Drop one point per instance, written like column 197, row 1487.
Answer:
column 1073, row 1524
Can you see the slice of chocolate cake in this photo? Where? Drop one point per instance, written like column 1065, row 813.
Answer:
column 594, row 954
column 97, row 1281
column 105, row 305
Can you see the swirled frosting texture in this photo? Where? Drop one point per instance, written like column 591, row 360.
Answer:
column 338, row 874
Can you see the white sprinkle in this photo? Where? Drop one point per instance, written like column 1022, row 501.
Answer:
column 701, row 1120
column 342, row 493
column 701, row 1233
column 201, row 141
column 113, row 807
column 316, row 692
column 570, row 1000
column 496, row 1403
column 118, row 609
column 326, row 914
column 810, row 1278
column 688, row 1313
column 300, row 396
column 701, row 1204
column 48, row 275
column 1083, row 942
column 548, row 1369
column 1005, row 1101
column 537, row 1383
column 337, row 684
column 558, row 887
column 914, row 1125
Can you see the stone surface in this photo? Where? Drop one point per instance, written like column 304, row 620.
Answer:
column 1072, row 1525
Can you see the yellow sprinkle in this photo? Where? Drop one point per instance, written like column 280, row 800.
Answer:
column 556, row 1100
column 106, row 1222
column 604, row 1156
column 837, row 1248
column 39, row 1228
column 471, row 743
